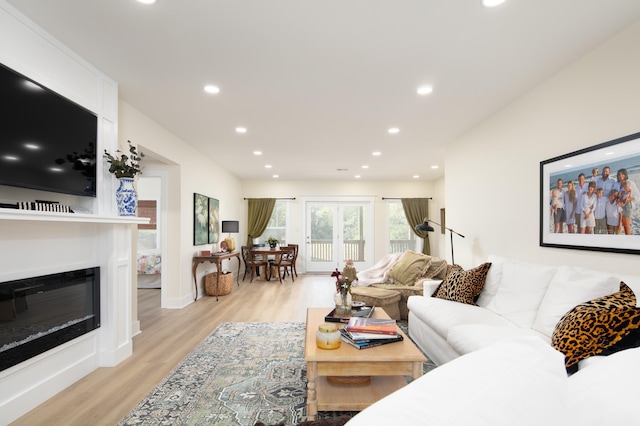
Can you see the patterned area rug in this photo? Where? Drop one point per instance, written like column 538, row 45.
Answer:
column 241, row 374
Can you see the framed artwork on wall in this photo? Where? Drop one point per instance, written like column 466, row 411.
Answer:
column 214, row 220
column 200, row 219
column 589, row 199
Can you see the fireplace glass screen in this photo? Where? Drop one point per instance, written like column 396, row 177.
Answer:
column 40, row 313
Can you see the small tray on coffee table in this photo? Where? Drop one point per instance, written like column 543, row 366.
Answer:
column 359, row 311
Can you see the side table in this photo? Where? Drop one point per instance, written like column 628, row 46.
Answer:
column 216, row 258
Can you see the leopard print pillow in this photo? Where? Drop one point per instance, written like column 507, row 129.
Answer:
column 592, row 327
column 463, row 286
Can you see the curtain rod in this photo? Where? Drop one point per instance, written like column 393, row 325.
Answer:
column 286, row 198
column 388, row 198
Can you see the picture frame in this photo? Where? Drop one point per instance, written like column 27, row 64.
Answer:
column 200, row 219
column 563, row 205
column 214, row 221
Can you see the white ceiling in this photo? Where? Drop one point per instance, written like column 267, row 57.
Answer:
column 317, row 83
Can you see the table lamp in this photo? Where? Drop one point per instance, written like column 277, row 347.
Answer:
column 230, row 226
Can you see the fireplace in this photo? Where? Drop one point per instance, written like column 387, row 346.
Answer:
column 40, row 313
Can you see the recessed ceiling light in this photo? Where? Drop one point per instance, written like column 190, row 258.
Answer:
column 364, row 166
column 376, row 153
column 435, row 166
column 275, row 176
column 55, row 169
column 393, row 130
column 609, row 153
column 257, row 152
column 32, row 146
column 211, row 89
column 357, row 176
column 268, row 166
column 566, row 166
column 492, row 3
column 241, row 129
column 416, row 176
column 147, row 1
column 10, row 157
column 424, row 90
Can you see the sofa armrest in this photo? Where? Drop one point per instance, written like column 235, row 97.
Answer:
column 429, row 286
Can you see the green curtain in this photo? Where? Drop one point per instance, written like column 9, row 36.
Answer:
column 416, row 210
column 260, row 210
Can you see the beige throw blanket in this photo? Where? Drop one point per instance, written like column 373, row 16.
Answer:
column 378, row 272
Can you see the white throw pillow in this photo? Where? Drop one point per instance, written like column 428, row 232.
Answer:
column 521, row 290
column 521, row 382
column 606, row 392
column 569, row 288
column 492, row 282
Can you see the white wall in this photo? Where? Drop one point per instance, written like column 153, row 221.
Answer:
column 34, row 243
column 299, row 189
column 492, row 172
column 189, row 171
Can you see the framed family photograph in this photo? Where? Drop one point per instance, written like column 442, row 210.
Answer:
column 589, row 199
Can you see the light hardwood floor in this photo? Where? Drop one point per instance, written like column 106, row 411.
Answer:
column 168, row 335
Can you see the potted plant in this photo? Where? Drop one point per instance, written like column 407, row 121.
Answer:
column 125, row 168
column 272, row 241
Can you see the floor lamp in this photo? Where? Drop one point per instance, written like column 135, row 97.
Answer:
column 424, row 226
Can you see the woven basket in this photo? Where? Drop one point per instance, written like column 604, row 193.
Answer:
column 225, row 286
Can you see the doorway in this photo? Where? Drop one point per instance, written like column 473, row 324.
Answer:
column 337, row 230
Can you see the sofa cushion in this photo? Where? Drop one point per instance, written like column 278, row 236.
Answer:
column 471, row 337
column 570, row 287
column 463, row 286
column 492, row 282
column 593, row 326
column 605, row 393
column 520, row 381
column 437, row 269
column 521, row 289
column 409, row 268
column 443, row 314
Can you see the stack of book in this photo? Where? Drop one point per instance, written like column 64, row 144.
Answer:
column 363, row 333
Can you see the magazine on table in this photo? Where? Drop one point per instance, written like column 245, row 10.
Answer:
column 356, row 335
column 372, row 325
column 368, row 343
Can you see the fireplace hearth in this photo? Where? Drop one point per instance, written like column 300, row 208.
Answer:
column 40, row 313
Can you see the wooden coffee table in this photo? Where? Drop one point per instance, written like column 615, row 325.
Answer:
column 387, row 365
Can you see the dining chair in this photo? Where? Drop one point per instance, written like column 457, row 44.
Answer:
column 284, row 263
column 295, row 257
column 245, row 258
column 257, row 261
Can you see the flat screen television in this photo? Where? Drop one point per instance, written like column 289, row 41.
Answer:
column 47, row 142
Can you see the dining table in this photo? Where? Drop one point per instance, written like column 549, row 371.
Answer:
column 272, row 255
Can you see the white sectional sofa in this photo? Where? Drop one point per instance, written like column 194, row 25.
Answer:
column 497, row 363
column 520, row 381
column 518, row 299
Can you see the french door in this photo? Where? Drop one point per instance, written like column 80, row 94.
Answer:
column 337, row 231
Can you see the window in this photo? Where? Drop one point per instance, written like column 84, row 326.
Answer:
column 278, row 223
column 401, row 237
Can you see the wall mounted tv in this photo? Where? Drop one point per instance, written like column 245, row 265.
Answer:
column 47, row 142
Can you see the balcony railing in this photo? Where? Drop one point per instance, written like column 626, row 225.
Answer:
column 322, row 250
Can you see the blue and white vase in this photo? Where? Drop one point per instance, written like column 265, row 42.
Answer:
column 126, row 197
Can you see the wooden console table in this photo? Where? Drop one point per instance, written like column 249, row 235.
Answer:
column 216, row 258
